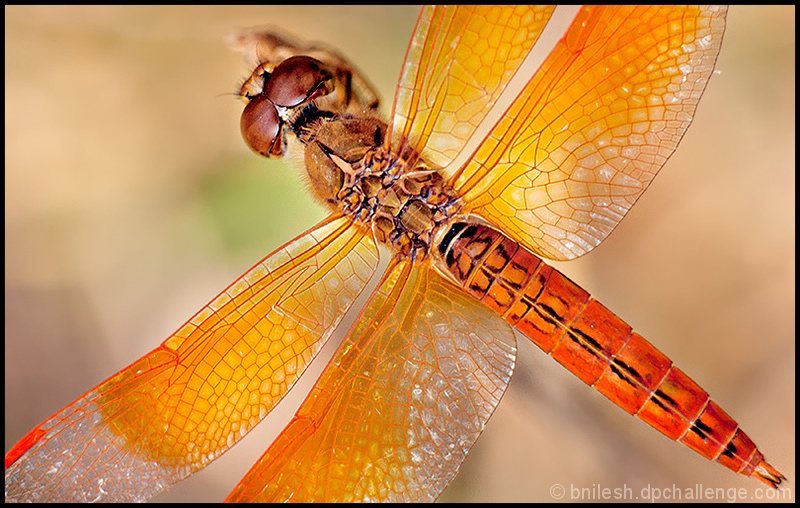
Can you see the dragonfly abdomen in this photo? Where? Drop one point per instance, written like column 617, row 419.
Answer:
column 595, row 345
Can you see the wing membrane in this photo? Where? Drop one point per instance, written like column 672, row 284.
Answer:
column 395, row 412
column 594, row 125
column 179, row 407
column 458, row 62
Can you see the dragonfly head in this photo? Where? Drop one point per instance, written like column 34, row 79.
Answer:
column 275, row 95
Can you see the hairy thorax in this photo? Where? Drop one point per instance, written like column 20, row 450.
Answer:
column 395, row 195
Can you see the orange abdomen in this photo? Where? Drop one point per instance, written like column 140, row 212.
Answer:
column 596, row 345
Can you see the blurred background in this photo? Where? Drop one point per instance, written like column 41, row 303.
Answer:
column 131, row 201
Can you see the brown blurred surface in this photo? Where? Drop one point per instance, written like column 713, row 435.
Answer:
column 131, row 201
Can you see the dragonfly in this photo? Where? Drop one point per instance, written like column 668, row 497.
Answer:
column 418, row 255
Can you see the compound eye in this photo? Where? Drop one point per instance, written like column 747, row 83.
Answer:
column 297, row 80
column 261, row 127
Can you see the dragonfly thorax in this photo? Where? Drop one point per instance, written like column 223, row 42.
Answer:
column 402, row 203
column 333, row 146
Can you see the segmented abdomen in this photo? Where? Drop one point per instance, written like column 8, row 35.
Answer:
column 595, row 345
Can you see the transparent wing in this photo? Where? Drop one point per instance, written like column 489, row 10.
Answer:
column 176, row 409
column 459, row 60
column 405, row 397
column 594, row 125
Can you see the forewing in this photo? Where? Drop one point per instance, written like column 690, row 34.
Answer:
column 399, row 406
column 458, row 62
column 176, row 409
column 594, row 125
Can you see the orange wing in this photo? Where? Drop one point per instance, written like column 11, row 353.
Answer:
column 399, row 406
column 179, row 407
column 594, row 125
column 458, row 62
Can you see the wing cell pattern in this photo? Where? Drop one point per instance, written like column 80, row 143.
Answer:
column 175, row 410
column 458, row 62
column 396, row 411
column 594, row 125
